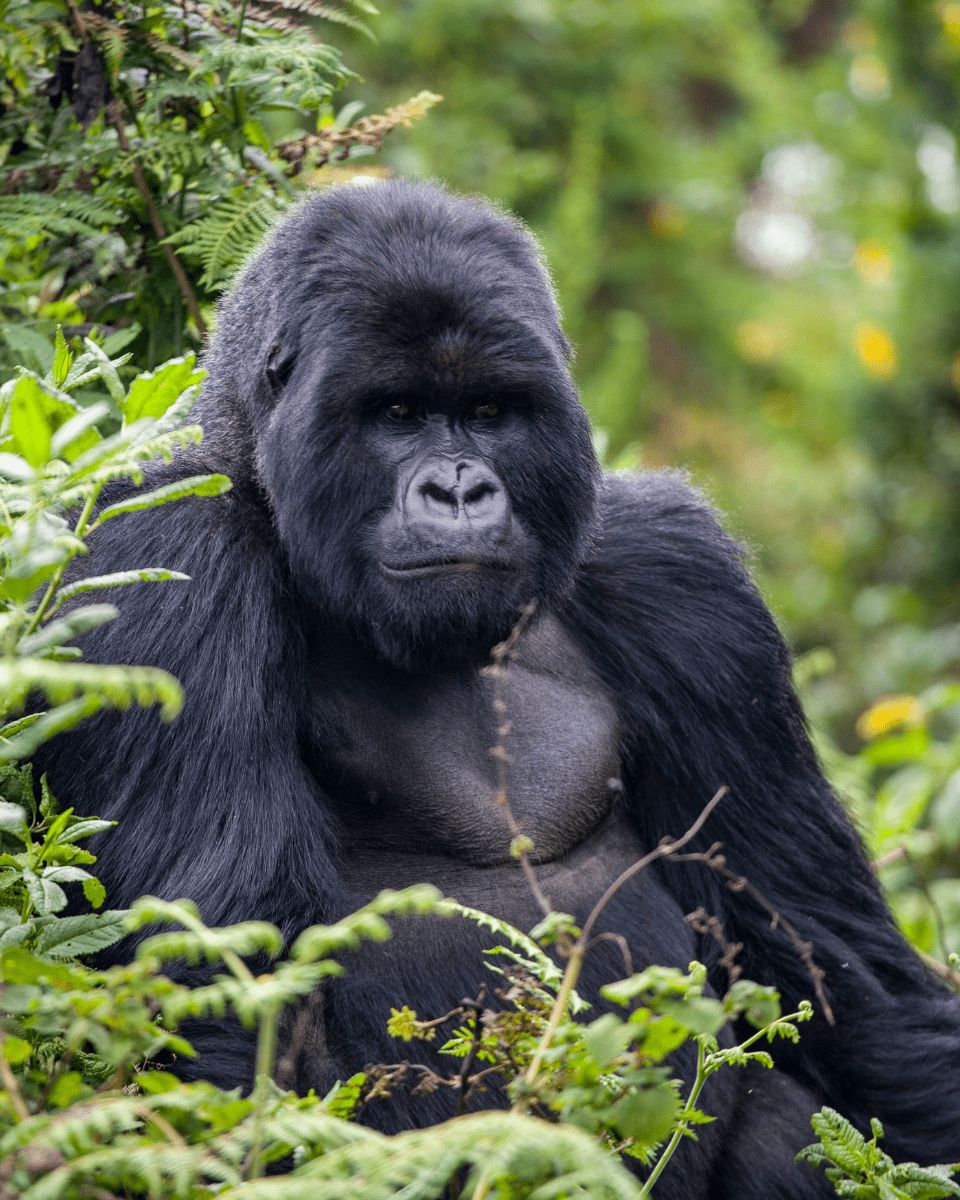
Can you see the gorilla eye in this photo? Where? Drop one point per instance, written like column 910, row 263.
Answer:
column 486, row 410
column 398, row 411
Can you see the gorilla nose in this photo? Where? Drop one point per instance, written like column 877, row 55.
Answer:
column 445, row 490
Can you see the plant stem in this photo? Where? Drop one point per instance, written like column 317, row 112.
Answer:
column 266, row 1052
column 159, row 229
column 55, row 579
column 557, row 1013
column 703, row 1072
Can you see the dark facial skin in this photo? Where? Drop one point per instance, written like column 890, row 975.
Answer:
column 451, row 516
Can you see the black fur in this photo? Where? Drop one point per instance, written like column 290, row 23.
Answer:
column 281, row 793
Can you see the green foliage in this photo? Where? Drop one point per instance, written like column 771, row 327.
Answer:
column 54, row 461
column 861, row 1170
column 38, row 853
column 145, row 149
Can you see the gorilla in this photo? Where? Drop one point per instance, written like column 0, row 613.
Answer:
column 389, row 390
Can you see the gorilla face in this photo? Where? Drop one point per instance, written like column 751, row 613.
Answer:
column 425, row 520
column 428, row 462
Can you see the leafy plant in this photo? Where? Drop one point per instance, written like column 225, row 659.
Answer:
column 145, row 148
column 53, row 460
column 860, row 1169
column 39, row 853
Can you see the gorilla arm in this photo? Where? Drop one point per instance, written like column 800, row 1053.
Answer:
column 217, row 806
column 674, row 626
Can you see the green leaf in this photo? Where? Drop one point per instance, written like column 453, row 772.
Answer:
column 699, row 1014
column 16, row 1050
column 14, row 727
column 30, row 346
column 19, row 966
column 47, row 896
column 66, row 1089
column 663, row 1034
column 48, row 803
column 70, row 937
column 94, row 891
column 648, row 1114
column 121, row 339
column 81, row 620
column 606, row 1038
column 905, row 747
column 62, row 360
column 84, row 828
column 343, row 1099
column 77, row 435
column 117, row 579
column 113, row 686
column 152, row 394
column 196, row 485
column 107, row 369
column 30, row 430
column 54, row 720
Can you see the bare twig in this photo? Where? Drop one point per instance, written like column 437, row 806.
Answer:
column 475, row 1046
column 621, row 941
column 503, row 653
column 739, row 883
column 667, row 847
column 702, row 923
column 902, row 852
column 941, row 969
column 162, row 1124
column 891, row 856
column 576, row 953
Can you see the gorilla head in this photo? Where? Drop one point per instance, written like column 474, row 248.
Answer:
column 418, row 435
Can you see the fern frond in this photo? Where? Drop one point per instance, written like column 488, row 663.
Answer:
column 63, row 214
column 334, row 14
column 226, row 235
column 368, row 131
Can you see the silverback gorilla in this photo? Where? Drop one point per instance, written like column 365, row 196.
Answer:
column 389, row 392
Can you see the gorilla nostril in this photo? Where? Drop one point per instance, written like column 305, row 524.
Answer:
column 480, row 492
column 433, row 491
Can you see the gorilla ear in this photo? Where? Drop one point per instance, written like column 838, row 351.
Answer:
column 279, row 368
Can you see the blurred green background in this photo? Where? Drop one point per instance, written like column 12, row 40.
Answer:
column 751, row 209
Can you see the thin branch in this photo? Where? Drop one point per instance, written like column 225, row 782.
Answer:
column 668, row 846
column 702, row 923
column 502, row 653
column 902, row 852
column 476, row 1044
column 159, row 229
column 892, row 856
column 621, row 941
column 740, row 883
column 162, row 1124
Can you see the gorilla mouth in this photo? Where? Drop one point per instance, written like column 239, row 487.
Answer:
column 429, row 568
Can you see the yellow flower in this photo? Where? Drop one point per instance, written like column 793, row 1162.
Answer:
column 888, row 713
column 876, row 350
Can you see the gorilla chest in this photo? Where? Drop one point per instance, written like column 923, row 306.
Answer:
column 412, row 761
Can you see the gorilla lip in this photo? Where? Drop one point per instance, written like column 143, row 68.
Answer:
column 441, row 566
